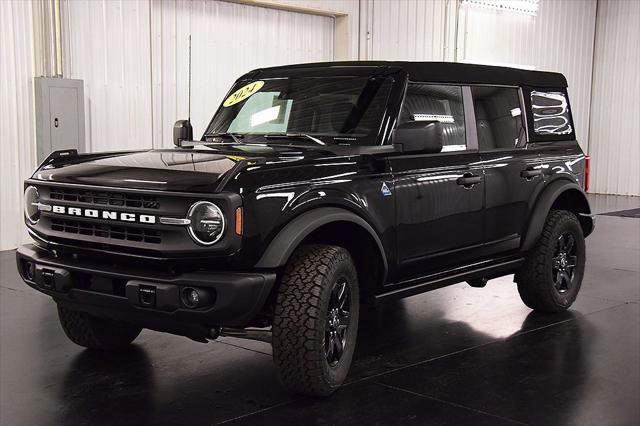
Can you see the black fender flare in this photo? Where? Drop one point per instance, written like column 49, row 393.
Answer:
column 287, row 240
column 543, row 205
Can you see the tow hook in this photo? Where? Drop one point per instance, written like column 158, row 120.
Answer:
column 147, row 296
column 48, row 279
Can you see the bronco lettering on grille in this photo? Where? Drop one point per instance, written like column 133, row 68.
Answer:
column 104, row 214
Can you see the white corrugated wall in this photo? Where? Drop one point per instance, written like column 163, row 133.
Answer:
column 107, row 44
column 133, row 57
column 560, row 38
column 409, row 30
column 615, row 109
column 350, row 8
column 17, row 147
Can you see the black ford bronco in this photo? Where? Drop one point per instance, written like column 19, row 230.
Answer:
column 314, row 190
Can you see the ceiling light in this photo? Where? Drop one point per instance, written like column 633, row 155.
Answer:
column 528, row 7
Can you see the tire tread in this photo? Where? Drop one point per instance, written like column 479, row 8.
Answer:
column 298, row 322
column 96, row 333
column 532, row 278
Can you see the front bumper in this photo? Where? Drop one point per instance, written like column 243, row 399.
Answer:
column 117, row 292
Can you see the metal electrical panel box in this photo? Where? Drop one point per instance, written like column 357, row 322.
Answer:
column 59, row 115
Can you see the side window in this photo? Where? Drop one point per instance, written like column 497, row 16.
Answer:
column 429, row 102
column 498, row 117
column 550, row 113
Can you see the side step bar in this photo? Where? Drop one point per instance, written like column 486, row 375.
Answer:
column 421, row 285
column 476, row 274
column 259, row 334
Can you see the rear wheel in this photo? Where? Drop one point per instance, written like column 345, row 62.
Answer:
column 96, row 333
column 551, row 276
column 316, row 320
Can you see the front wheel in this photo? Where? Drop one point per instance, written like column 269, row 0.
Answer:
column 551, row 276
column 94, row 332
column 316, row 320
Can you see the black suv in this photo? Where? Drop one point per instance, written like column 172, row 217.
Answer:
column 316, row 189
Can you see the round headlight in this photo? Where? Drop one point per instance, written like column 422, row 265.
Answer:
column 206, row 223
column 31, row 201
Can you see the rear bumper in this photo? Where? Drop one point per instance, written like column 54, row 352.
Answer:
column 117, row 292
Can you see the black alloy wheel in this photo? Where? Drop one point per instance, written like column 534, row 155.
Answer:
column 564, row 262
column 551, row 276
column 338, row 316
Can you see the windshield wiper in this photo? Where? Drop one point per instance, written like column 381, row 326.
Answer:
column 235, row 136
column 293, row 136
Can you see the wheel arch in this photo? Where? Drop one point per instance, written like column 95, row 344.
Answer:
column 560, row 194
column 332, row 225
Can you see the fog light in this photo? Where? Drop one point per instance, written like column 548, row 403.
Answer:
column 195, row 297
column 191, row 297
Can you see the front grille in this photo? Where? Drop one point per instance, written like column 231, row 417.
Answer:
column 125, row 233
column 104, row 198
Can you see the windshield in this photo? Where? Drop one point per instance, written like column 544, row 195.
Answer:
column 329, row 110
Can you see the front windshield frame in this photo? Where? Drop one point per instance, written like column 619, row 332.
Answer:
column 375, row 136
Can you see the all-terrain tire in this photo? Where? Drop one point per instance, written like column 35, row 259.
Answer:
column 302, row 320
column 96, row 333
column 535, row 278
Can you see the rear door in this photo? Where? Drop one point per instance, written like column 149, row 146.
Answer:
column 439, row 217
column 512, row 169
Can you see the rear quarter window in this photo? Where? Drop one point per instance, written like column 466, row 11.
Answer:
column 550, row 113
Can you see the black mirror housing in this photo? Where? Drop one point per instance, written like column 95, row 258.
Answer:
column 419, row 136
column 182, row 131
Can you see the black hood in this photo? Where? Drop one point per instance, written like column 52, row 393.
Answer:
column 192, row 170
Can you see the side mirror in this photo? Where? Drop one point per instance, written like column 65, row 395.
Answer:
column 182, row 131
column 419, row 136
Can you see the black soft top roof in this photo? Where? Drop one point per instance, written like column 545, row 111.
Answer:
column 436, row 72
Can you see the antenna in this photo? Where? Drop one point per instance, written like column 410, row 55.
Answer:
column 189, row 117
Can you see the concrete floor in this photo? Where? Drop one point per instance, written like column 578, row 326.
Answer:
column 456, row 356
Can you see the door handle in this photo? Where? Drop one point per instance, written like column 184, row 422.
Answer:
column 468, row 180
column 529, row 174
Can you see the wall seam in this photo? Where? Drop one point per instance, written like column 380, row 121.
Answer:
column 593, row 66
column 151, row 105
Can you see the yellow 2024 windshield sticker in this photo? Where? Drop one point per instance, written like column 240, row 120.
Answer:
column 243, row 93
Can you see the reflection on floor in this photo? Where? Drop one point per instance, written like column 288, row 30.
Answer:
column 633, row 213
column 458, row 355
column 603, row 203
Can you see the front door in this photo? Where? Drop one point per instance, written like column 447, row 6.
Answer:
column 439, row 197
